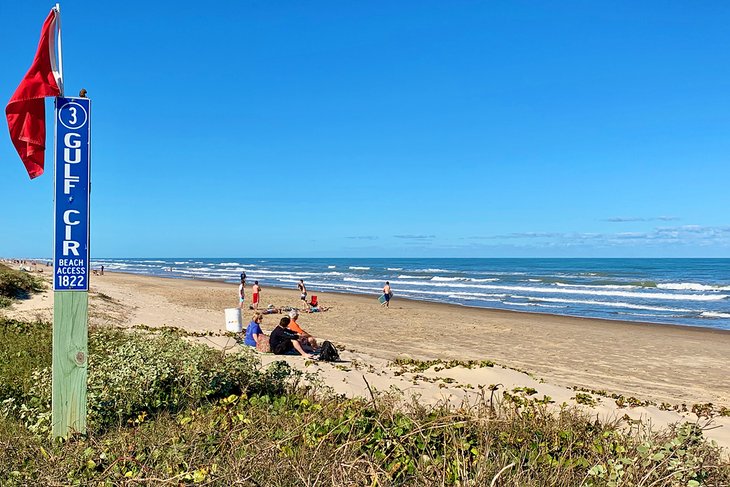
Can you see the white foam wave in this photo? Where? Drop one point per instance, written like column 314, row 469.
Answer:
column 406, row 276
column 462, row 279
column 331, row 266
column 229, row 263
column 537, row 305
column 714, row 314
column 358, row 268
column 597, row 286
column 497, row 273
column 261, row 272
column 613, row 304
column 691, row 286
column 393, row 268
column 645, row 315
column 474, row 298
column 564, row 290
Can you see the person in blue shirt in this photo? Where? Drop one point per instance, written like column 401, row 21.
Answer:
column 254, row 334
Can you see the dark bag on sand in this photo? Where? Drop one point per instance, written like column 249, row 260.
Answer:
column 329, row 353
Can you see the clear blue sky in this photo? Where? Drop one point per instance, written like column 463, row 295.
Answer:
column 398, row 128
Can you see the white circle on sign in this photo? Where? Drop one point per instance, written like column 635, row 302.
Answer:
column 74, row 114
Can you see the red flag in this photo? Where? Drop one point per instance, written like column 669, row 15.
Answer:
column 26, row 111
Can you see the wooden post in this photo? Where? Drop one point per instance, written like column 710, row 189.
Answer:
column 70, row 357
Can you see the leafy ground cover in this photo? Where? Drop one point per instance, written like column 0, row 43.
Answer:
column 165, row 411
column 17, row 285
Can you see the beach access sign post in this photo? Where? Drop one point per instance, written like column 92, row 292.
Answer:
column 71, row 264
column 26, row 116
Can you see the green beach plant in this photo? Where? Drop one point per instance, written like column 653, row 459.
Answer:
column 211, row 419
column 17, row 285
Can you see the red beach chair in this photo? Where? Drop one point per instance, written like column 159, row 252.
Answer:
column 314, row 300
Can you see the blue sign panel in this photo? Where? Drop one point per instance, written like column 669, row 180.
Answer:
column 72, row 175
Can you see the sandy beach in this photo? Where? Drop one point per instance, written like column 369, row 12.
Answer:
column 658, row 363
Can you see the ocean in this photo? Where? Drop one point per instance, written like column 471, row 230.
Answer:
column 693, row 292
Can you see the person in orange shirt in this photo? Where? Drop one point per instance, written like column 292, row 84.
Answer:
column 306, row 340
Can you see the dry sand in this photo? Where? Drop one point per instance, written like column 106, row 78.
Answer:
column 659, row 363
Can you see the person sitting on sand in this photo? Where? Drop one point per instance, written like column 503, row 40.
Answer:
column 307, row 341
column 254, row 334
column 286, row 342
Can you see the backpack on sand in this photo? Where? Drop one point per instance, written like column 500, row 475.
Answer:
column 329, row 353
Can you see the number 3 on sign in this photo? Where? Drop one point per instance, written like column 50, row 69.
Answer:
column 72, row 115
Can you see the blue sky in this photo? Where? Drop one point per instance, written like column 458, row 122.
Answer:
column 377, row 129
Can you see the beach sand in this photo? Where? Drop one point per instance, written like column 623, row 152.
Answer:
column 659, row 363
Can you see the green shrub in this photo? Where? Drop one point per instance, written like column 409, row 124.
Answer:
column 165, row 411
column 296, row 440
column 24, row 348
column 133, row 375
column 17, row 285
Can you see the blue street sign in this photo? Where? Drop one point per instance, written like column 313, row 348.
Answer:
column 72, row 185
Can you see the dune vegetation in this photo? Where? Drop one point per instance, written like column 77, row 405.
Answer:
column 163, row 410
column 16, row 284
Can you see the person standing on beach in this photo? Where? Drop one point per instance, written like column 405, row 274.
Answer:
column 303, row 290
column 102, row 270
column 387, row 294
column 241, row 292
column 256, row 295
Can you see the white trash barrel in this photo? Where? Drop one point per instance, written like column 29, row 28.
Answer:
column 233, row 320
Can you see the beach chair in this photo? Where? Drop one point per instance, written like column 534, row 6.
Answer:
column 314, row 300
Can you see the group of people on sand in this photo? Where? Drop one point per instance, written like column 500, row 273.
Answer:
column 309, row 307
column 288, row 338
column 255, row 293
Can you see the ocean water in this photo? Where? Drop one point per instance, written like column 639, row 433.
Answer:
column 692, row 292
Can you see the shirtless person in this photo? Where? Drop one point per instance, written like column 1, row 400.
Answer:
column 387, row 294
column 303, row 290
column 241, row 292
column 256, row 295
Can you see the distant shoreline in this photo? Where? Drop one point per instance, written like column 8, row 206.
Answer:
column 496, row 311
